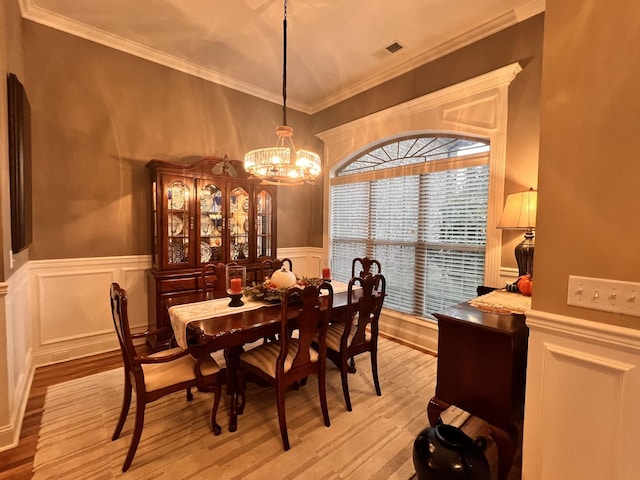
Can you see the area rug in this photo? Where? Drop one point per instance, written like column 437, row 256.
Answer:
column 374, row 441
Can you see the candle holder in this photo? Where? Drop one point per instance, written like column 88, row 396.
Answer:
column 236, row 279
column 325, row 271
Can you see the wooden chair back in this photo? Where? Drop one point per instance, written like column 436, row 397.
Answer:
column 366, row 264
column 364, row 315
column 303, row 307
column 212, row 281
column 270, row 265
column 121, row 324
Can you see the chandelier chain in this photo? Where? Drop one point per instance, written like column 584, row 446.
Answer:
column 284, row 66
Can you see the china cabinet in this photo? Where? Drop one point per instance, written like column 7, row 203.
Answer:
column 207, row 211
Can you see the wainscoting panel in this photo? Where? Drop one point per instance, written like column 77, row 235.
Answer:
column 581, row 414
column 71, row 311
column 306, row 261
column 419, row 333
column 16, row 371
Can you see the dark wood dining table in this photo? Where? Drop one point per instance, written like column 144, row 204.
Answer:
column 231, row 331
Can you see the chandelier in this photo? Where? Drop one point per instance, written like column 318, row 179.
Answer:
column 283, row 164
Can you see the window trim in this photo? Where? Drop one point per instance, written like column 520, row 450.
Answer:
column 477, row 108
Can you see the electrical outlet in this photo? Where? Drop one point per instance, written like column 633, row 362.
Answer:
column 602, row 294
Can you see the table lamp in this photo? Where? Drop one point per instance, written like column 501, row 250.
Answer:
column 520, row 214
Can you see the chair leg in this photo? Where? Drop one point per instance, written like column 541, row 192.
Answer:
column 137, row 433
column 189, row 394
column 352, row 365
column 344, row 371
column 217, row 393
column 374, row 370
column 282, row 419
column 241, row 386
column 322, row 391
column 126, row 403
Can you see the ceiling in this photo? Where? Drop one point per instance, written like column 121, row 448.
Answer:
column 335, row 49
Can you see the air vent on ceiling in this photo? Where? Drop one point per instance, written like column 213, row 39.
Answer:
column 388, row 50
column 394, row 47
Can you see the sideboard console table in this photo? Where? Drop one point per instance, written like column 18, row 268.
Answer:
column 481, row 369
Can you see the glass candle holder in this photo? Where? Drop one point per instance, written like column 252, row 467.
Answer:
column 236, row 279
column 325, row 271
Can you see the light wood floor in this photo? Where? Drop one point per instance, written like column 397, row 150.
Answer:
column 17, row 463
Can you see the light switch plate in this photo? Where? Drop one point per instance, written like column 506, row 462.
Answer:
column 603, row 294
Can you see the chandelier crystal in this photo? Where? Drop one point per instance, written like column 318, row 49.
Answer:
column 283, row 164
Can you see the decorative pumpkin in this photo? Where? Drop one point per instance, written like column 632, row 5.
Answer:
column 525, row 284
column 283, row 278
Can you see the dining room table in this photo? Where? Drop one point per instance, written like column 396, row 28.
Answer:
column 208, row 326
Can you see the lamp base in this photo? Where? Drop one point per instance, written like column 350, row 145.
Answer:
column 524, row 255
column 236, row 300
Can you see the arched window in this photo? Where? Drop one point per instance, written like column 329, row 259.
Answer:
column 418, row 205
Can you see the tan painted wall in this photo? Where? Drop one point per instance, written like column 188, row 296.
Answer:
column 11, row 61
column 589, row 148
column 99, row 115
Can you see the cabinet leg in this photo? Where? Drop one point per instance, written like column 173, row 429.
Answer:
column 435, row 407
column 506, row 443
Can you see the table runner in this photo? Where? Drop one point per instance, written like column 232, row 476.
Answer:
column 501, row 301
column 181, row 315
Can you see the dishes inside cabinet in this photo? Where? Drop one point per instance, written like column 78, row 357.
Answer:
column 245, row 205
column 177, row 253
column 205, row 252
column 245, row 225
column 177, row 196
column 206, row 198
column 205, row 226
column 176, row 225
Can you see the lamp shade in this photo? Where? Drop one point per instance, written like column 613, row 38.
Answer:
column 520, row 211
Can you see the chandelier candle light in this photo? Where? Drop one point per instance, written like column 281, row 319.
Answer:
column 520, row 214
column 283, row 164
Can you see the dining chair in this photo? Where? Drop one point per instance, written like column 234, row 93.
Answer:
column 157, row 375
column 288, row 361
column 212, row 281
column 359, row 332
column 366, row 264
column 270, row 265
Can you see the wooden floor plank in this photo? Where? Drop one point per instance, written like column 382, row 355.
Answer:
column 17, row 463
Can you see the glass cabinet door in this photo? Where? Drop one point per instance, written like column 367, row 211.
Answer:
column 211, row 223
column 177, row 223
column 239, row 224
column 264, row 217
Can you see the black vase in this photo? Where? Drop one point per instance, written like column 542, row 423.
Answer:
column 445, row 452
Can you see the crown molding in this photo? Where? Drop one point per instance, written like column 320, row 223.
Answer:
column 502, row 22
column 45, row 17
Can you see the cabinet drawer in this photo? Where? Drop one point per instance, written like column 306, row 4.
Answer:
column 178, row 284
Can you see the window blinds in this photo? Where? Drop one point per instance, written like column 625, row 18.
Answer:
column 427, row 230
